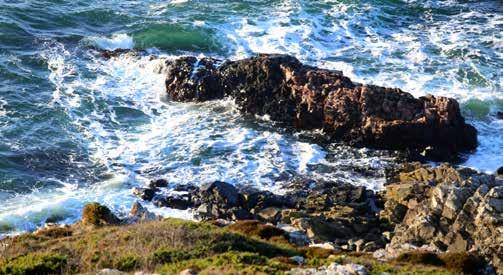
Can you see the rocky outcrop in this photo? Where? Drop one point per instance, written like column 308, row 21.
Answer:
column 447, row 210
column 341, row 214
column 306, row 97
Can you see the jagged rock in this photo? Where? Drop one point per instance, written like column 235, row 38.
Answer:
column 270, row 214
column 138, row 213
column 146, row 194
column 192, row 79
column 221, row 192
column 295, row 235
column 219, row 200
column 455, row 210
column 308, row 98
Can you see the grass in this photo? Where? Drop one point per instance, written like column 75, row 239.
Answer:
column 172, row 245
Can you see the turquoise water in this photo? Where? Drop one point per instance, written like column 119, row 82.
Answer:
column 76, row 128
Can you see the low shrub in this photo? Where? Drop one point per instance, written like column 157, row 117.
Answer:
column 35, row 264
column 420, row 257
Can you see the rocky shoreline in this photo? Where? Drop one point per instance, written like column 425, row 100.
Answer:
column 442, row 220
column 425, row 212
column 436, row 209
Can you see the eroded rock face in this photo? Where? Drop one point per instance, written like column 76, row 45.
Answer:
column 449, row 210
column 311, row 98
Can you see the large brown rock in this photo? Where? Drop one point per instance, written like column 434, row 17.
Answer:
column 306, row 97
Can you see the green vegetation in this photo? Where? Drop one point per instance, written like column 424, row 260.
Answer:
column 457, row 263
column 172, row 245
column 35, row 264
column 97, row 214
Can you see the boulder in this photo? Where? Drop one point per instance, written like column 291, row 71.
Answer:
column 306, row 97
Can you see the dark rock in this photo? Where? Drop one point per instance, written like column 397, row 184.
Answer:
column 158, row 183
column 255, row 200
column 181, row 202
column 499, row 114
column 192, row 79
column 221, row 192
column 146, row 194
column 108, row 54
column 308, row 98
column 185, row 188
column 499, row 172
column 174, row 201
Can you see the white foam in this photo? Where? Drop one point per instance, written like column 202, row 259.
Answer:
column 440, row 56
column 117, row 41
column 136, row 137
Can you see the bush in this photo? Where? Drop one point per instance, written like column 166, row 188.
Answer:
column 420, row 257
column 463, row 262
column 164, row 256
column 127, row 263
column 35, row 264
column 97, row 214
column 256, row 228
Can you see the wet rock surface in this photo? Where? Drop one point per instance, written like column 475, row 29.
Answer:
column 311, row 98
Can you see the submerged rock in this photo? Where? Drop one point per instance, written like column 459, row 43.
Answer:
column 311, row 98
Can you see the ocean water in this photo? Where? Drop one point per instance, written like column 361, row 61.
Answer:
column 76, row 128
